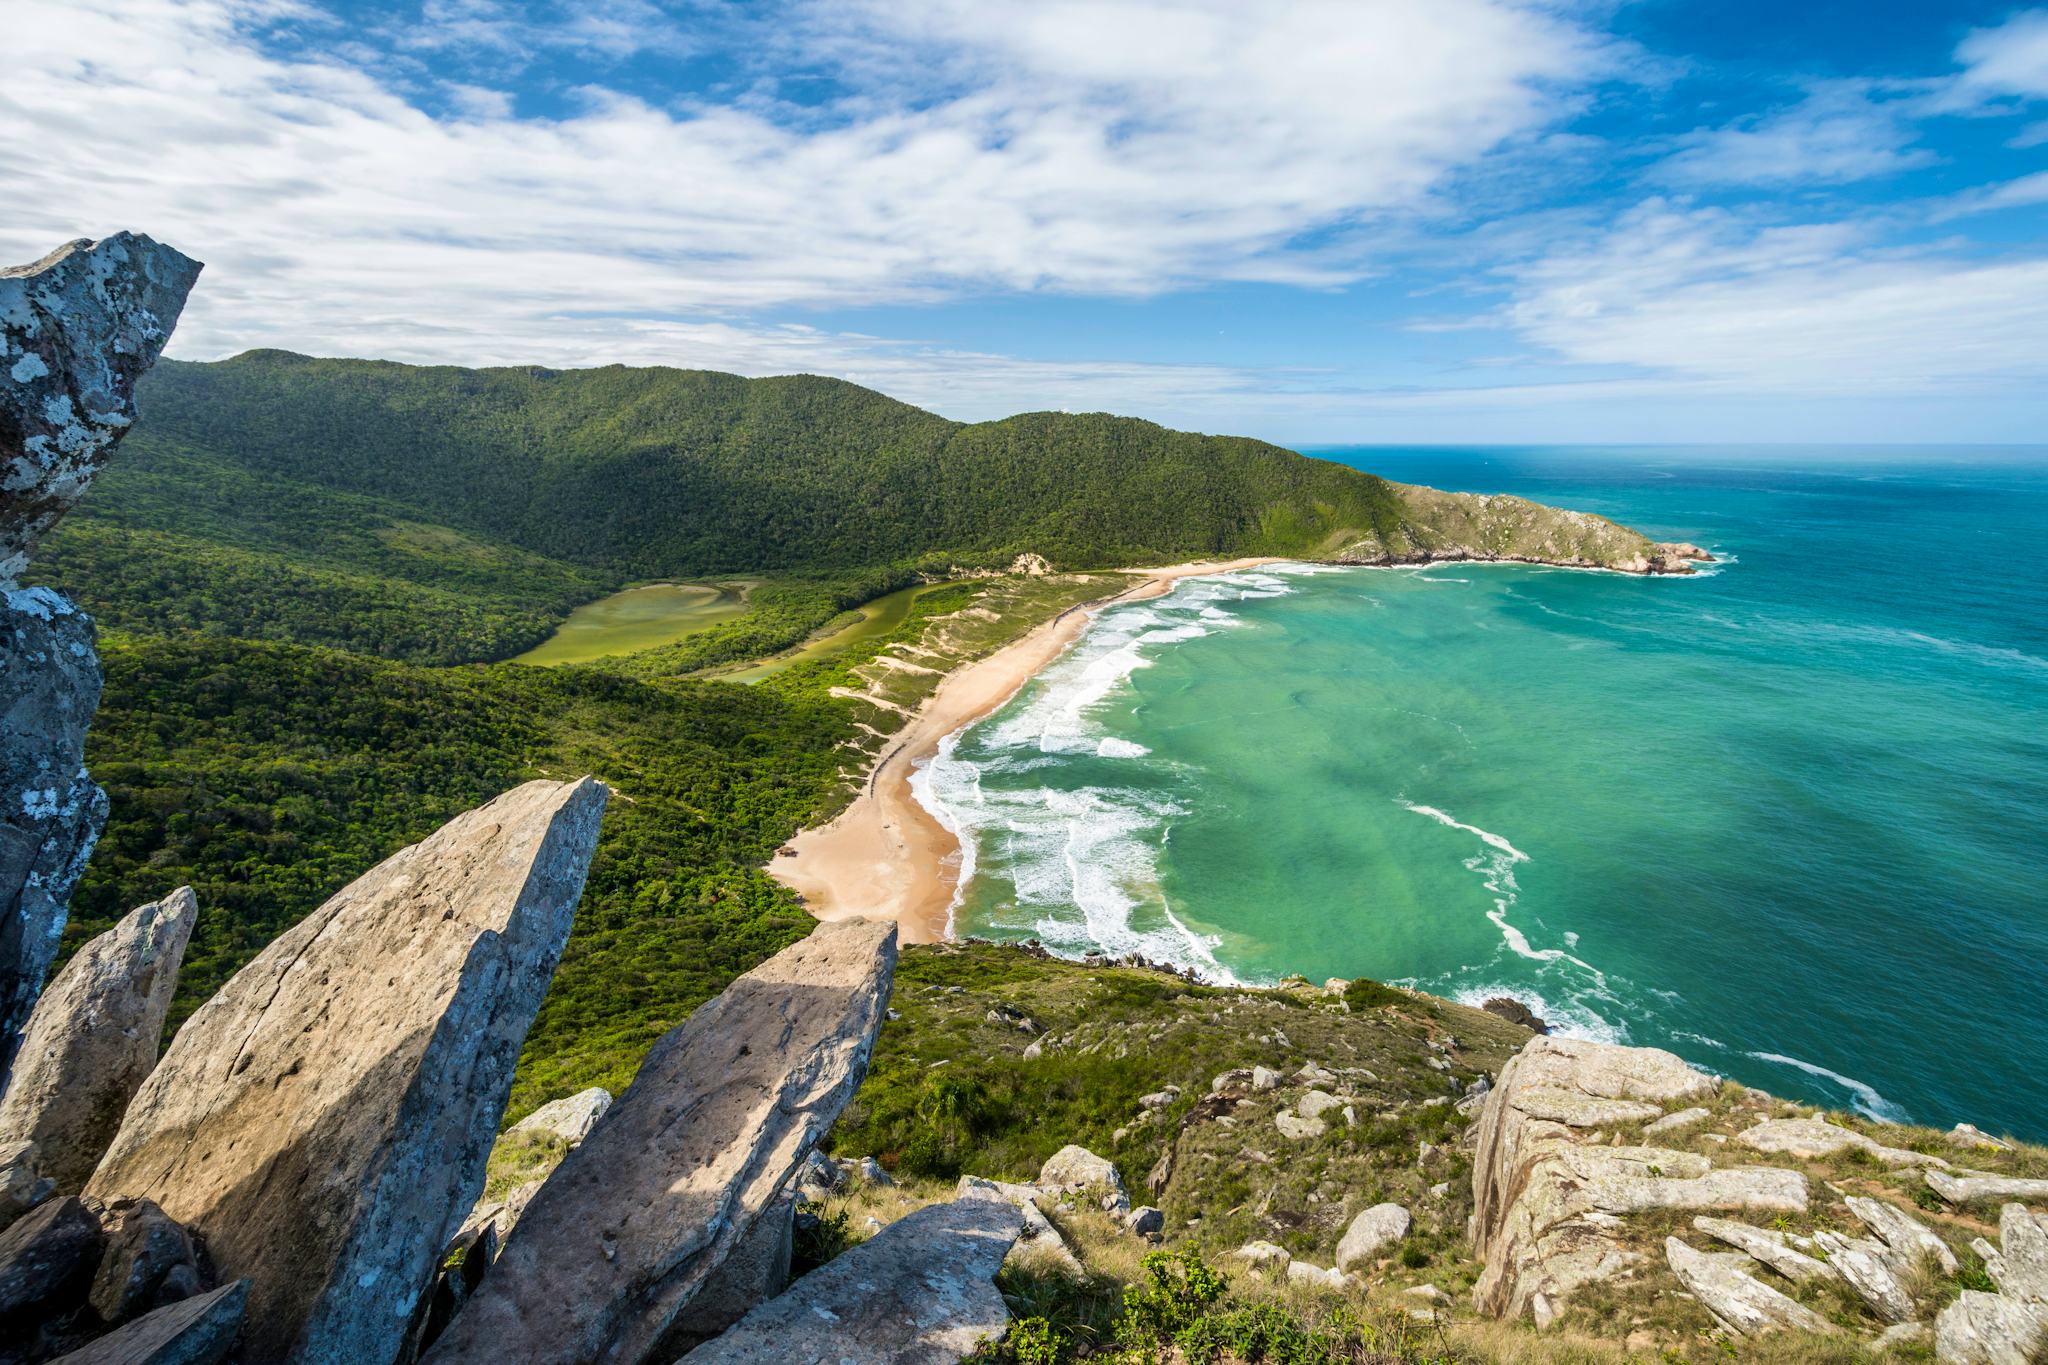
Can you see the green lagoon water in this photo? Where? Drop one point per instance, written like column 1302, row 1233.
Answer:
column 1787, row 818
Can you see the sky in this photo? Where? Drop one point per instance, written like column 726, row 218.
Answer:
column 1313, row 221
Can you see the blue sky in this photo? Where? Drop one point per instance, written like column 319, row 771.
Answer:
column 1308, row 220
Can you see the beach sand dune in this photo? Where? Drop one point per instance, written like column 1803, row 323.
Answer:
column 884, row 856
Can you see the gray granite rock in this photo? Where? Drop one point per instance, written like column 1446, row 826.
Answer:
column 1990, row 1329
column 1377, row 1227
column 51, row 812
column 1741, row 1303
column 47, row 1259
column 1964, row 1189
column 92, row 1039
column 755, row 1272
column 77, row 329
column 322, row 1123
column 1909, row 1239
column 1549, row 1197
column 1766, row 1247
column 145, row 1246
column 200, row 1330
column 631, row 1225
column 920, row 1292
column 570, row 1118
column 1867, row 1265
column 1076, row 1169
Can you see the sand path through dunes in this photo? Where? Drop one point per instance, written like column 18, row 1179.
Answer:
column 885, row 857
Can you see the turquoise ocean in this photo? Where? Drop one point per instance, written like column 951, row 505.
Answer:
column 1787, row 818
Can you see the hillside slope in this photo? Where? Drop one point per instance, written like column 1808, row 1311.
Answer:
column 655, row 472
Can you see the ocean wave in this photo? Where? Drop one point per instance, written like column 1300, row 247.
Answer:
column 1567, row 1018
column 1865, row 1099
column 967, row 781
column 1109, row 746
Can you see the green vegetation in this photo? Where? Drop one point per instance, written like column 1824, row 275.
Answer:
column 174, row 540
column 656, row 473
column 268, row 776
column 636, row 619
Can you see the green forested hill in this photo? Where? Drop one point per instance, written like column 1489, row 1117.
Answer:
column 656, row 472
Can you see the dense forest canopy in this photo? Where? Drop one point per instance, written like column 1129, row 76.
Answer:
column 659, row 472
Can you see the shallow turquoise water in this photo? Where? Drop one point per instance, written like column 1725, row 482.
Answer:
column 1787, row 819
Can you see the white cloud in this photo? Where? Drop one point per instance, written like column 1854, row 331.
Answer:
column 1841, row 132
column 2009, row 59
column 1115, row 148
column 1702, row 295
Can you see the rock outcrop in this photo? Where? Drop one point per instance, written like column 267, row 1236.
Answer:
column 1076, row 1170
column 755, row 1272
column 1549, row 1201
column 1498, row 527
column 77, row 329
column 1379, row 1226
column 322, row 1123
column 148, row 1263
column 570, row 1118
column 199, row 1331
column 46, row 1255
column 52, row 811
column 630, row 1226
column 920, row 1292
column 2009, row 1327
column 1741, row 1303
column 92, row 1040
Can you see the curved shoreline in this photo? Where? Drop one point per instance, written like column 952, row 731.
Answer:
column 885, row 856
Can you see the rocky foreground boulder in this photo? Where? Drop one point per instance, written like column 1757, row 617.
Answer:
column 1548, row 1200
column 77, row 330
column 322, row 1123
column 93, row 1038
column 920, row 1292
column 631, row 1226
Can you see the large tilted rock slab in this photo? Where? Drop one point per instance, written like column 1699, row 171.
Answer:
column 1767, row 1247
column 1549, row 1197
column 1962, row 1189
column 920, row 1292
column 2011, row 1326
column 77, row 329
column 92, row 1040
column 51, row 811
column 1810, row 1138
column 626, row 1231
column 195, row 1331
column 322, row 1123
column 1746, row 1306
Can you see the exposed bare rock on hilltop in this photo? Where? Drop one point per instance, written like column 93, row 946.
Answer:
column 1442, row 526
column 1743, row 1304
column 1548, row 1199
column 322, row 1123
column 628, row 1229
column 77, row 329
column 920, row 1292
column 2011, row 1326
column 92, row 1040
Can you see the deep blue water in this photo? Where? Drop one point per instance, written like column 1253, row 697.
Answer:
column 1787, row 819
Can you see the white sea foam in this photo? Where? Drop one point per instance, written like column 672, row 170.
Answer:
column 1109, row 746
column 1866, row 1100
column 966, row 785
column 1569, row 1018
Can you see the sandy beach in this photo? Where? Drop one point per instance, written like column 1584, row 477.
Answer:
column 885, row 856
